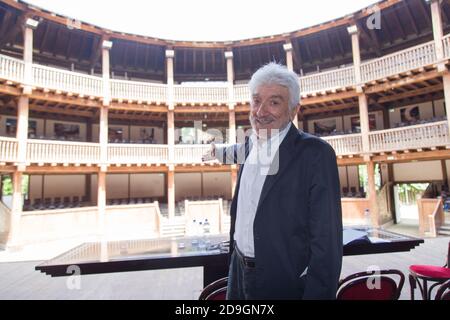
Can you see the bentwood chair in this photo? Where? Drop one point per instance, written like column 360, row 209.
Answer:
column 216, row 290
column 444, row 292
column 420, row 275
column 372, row 285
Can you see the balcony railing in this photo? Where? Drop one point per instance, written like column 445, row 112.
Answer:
column 8, row 149
column 78, row 83
column 428, row 135
column 346, row 145
column 328, row 80
column 49, row 151
column 190, row 153
column 398, row 62
column 138, row 91
column 11, row 69
column 413, row 137
column 137, row 154
column 241, row 93
column 67, row 81
column 199, row 94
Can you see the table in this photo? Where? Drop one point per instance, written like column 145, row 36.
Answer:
column 167, row 253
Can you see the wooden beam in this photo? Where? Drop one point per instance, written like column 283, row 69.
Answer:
column 410, row 17
column 401, row 82
column 333, row 96
column 399, row 24
column 407, row 157
column 97, row 51
column 424, row 12
column 408, row 94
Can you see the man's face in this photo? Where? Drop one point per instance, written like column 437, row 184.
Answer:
column 269, row 109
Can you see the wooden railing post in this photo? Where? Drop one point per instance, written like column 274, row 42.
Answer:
column 16, row 211
column 231, row 100
column 353, row 31
column 30, row 26
column 438, row 34
column 290, row 65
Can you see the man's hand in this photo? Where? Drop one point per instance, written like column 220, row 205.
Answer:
column 211, row 154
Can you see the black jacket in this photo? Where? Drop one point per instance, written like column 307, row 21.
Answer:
column 298, row 222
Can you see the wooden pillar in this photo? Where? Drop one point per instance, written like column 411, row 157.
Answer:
column 87, row 187
column 231, row 104
column 353, row 31
column 386, row 119
column 16, row 210
column 22, row 131
column 106, row 46
column 101, row 201
column 438, row 34
column 446, row 82
column 364, row 122
column 290, row 65
column 29, row 27
column 170, row 54
column 372, row 192
column 171, row 192
column 103, row 137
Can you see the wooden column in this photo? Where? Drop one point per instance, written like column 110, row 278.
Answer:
column 171, row 192
column 231, row 103
column 171, row 105
column 364, row 122
column 372, row 192
column 29, row 27
column 16, row 210
column 438, row 33
column 290, row 65
column 444, row 173
column 101, row 201
column 106, row 46
column 446, row 82
column 353, row 31
column 22, row 131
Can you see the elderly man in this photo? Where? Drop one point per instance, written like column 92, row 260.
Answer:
column 286, row 225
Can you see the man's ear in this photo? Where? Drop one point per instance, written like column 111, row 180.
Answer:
column 294, row 112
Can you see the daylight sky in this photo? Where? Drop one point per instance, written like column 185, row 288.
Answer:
column 203, row 20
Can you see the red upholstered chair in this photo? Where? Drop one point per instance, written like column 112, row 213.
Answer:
column 444, row 292
column 420, row 275
column 216, row 290
column 372, row 285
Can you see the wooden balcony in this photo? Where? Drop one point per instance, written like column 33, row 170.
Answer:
column 429, row 135
column 346, row 145
column 86, row 85
column 62, row 152
column 412, row 137
column 137, row 154
column 8, row 149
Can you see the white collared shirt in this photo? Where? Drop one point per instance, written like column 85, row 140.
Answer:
column 254, row 173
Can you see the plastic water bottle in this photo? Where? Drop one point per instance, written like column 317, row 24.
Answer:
column 206, row 232
column 367, row 218
column 201, row 241
column 194, row 232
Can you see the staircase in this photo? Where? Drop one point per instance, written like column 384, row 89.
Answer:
column 444, row 230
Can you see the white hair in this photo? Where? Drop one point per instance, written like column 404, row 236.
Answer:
column 274, row 73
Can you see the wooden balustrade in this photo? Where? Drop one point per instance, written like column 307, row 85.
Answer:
column 446, row 43
column 11, row 69
column 190, row 153
column 8, row 149
column 328, row 80
column 346, row 144
column 74, row 82
column 49, row 151
column 67, row 81
column 241, row 93
column 139, row 91
column 411, row 137
column 137, row 154
column 201, row 94
column 398, row 62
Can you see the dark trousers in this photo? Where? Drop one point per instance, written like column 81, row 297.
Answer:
column 241, row 277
